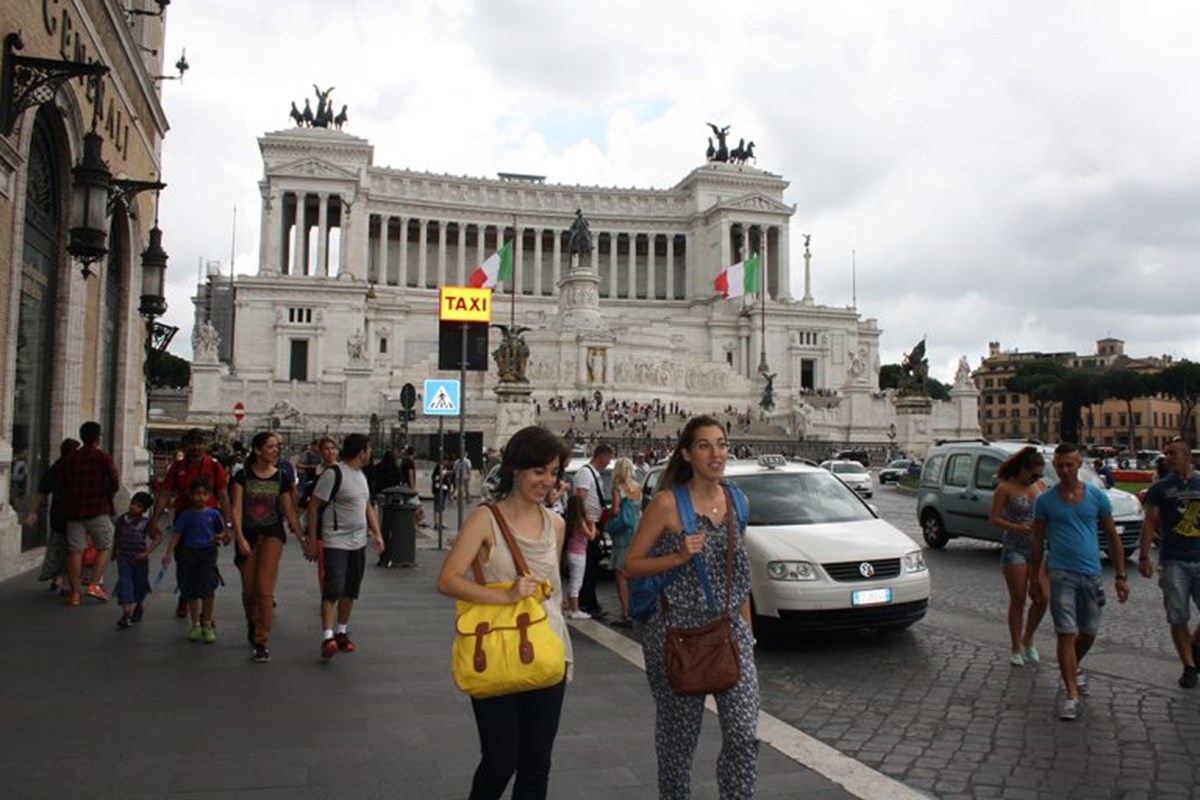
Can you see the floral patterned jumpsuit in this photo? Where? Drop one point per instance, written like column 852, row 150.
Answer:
column 678, row 718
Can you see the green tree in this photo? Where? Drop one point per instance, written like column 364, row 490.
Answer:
column 1042, row 382
column 890, row 376
column 168, row 370
column 1182, row 381
column 1125, row 384
column 936, row 389
column 1079, row 388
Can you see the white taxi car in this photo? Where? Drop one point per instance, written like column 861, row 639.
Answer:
column 820, row 558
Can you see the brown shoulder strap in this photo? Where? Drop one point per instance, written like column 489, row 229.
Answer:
column 517, row 557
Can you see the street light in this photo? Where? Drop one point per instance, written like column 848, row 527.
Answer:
column 88, row 241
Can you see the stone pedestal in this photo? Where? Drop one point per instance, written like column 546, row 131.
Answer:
column 514, row 411
column 360, row 396
column 914, row 432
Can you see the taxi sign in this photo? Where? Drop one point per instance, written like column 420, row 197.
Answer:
column 443, row 398
column 464, row 304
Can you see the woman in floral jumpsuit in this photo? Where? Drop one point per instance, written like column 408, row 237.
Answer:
column 660, row 545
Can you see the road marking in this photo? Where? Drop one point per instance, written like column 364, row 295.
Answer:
column 854, row 776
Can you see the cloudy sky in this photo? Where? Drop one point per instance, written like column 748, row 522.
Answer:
column 1026, row 172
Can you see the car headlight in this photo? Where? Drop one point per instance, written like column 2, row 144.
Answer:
column 791, row 571
column 915, row 561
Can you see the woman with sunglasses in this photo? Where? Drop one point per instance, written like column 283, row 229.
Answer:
column 1019, row 483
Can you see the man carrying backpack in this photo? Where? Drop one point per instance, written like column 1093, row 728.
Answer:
column 343, row 517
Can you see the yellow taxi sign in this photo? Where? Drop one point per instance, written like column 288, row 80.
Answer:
column 464, row 304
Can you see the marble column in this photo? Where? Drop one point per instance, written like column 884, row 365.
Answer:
column 422, row 253
column 519, row 278
column 300, row 245
column 537, row 260
column 441, row 253
column 381, row 253
column 651, row 247
column 322, row 234
column 402, row 267
column 670, row 266
column 460, row 278
column 557, row 260
column 612, row 274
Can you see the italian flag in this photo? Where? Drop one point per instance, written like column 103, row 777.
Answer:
column 498, row 267
column 742, row 278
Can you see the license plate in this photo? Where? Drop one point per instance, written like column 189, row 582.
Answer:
column 871, row 597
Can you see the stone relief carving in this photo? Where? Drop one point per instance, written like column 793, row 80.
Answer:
column 205, row 341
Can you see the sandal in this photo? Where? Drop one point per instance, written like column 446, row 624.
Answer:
column 623, row 622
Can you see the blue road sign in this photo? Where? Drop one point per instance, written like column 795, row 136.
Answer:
column 443, row 398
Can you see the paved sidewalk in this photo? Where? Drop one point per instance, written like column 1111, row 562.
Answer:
column 94, row 711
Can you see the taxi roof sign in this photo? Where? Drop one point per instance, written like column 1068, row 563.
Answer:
column 464, row 304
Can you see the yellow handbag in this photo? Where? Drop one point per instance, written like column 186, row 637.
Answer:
column 508, row 648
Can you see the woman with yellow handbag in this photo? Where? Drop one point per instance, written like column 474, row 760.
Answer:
column 512, row 653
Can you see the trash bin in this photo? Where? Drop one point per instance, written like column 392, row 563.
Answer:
column 400, row 504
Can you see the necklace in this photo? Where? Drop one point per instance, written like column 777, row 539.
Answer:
column 716, row 504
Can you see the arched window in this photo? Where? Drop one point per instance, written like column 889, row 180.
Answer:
column 41, row 256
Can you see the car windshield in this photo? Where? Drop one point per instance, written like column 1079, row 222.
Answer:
column 899, row 464
column 800, row 498
column 849, row 467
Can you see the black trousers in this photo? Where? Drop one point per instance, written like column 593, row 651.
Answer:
column 516, row 734
column 587, row 593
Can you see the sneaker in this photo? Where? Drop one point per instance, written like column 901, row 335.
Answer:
column 329, row 649
column 127, row 622
column 1016, row 659
column 1031, row 655
column 209, row 633
column 97, row 591
column 181, row 609
column 1070, row 710
column 576, row 614
column 139, row 611
column 261, row 654
column 195, row 632
column 1081, row 681
column 1189, row 678
column 73, row 599
column 343, row 643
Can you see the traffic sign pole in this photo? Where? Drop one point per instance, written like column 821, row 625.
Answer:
column 462, row 427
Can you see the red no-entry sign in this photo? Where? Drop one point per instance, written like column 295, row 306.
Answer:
column 239, row 412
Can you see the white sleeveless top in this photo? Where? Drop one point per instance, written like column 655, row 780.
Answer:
column 541, row 555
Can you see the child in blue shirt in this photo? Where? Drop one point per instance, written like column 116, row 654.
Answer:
column 133, row 558
column 197, row 532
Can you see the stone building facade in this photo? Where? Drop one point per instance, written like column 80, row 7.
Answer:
column 71, row 349
column 342, row 311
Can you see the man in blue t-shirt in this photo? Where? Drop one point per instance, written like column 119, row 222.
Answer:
column 1173, row 512
column 1065, row 518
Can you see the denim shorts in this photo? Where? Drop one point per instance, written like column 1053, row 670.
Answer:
column 1075, row 602
column 1180, row 582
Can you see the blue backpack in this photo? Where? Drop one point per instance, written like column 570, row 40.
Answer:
column 644, row 592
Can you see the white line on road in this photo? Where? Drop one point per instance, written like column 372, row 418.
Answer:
column 853, row 776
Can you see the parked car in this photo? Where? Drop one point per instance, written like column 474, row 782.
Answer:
column 895, row 470
column 955, row 496
column 820, row 557
column 853, row 474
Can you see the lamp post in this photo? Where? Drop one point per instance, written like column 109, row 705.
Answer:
column 88, row 240
column 154, row 304
column 891, row 441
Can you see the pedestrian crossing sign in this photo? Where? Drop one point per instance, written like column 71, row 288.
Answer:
column 443, row 398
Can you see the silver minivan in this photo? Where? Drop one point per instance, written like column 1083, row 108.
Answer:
column 955, row 496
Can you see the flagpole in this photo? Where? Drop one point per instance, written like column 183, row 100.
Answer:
column 762, row 300
column 512, row 316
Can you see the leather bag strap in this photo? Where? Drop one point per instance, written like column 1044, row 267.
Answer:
column 505, row 531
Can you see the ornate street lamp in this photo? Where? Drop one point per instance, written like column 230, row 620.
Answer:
column 154, row 268
column 89, row 205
